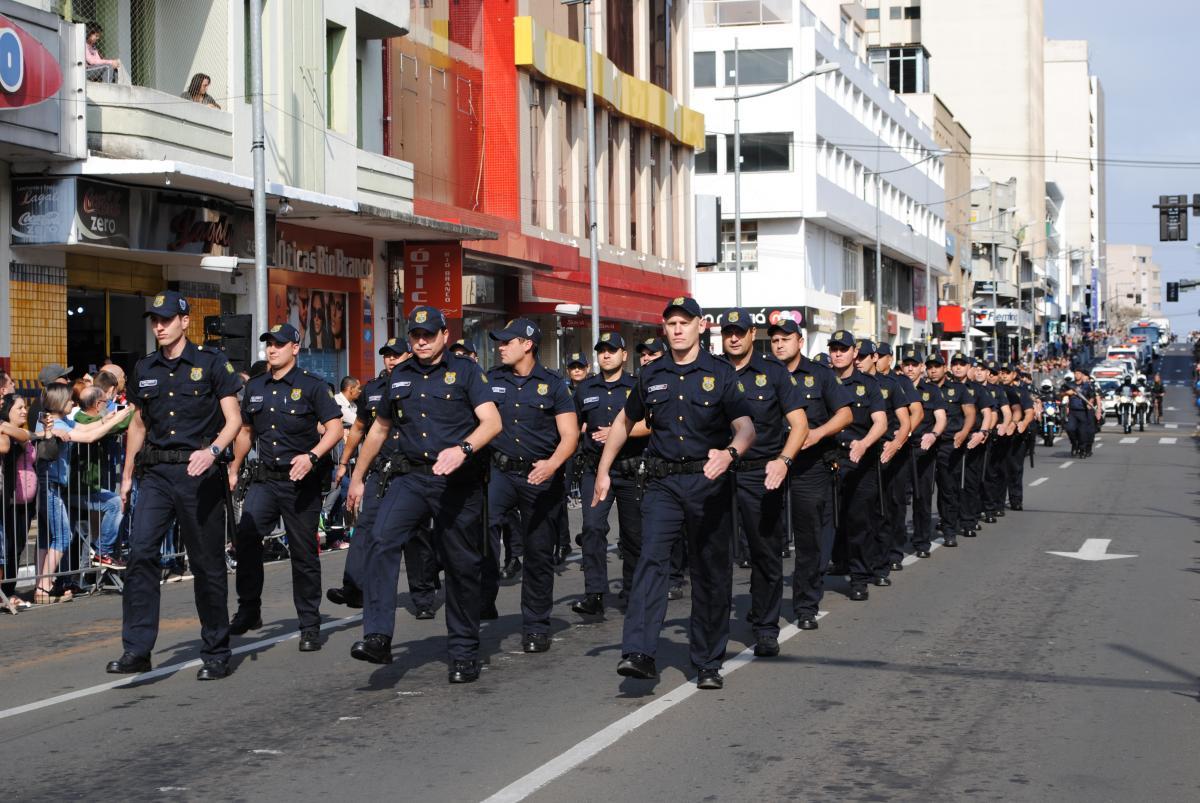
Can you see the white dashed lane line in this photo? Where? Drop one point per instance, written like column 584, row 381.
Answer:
column 1038, row 482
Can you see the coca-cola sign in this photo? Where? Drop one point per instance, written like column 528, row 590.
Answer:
column 102, row 214
column 41, row 211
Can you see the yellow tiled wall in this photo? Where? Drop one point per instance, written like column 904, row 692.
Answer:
column 39, row 318
column 200, row 307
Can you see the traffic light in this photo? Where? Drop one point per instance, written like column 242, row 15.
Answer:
column 231, row 335
column 1172, row 217
column 1172, row 291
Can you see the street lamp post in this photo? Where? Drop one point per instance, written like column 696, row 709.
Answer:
column 737, row 98
column 258, row 156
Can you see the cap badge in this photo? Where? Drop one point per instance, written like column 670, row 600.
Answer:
column 678, row 300
column 528, row 331
column 159, row 300
column 607, row 336
column 420, row 316
column 391, row 341
column 276, row 327
column 733, row 317
column 182, row 305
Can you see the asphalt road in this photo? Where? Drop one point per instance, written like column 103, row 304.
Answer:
column 994, row 671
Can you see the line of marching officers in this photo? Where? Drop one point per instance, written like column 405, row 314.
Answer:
column 450, row 465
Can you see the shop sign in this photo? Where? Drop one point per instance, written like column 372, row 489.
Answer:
column 29, row 74
column 324, row 253
column 433, row 277
column 195, row 224
column 41, row 211
column 761, row 317
column 584, row 322
column 102, row 213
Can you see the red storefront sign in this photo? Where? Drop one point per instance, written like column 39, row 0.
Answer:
column 583, row 322
column 951, row 318
column 29, row 74
column 433, row 277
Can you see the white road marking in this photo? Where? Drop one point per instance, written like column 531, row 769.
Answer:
column 1172, row 409
column 1067, row 464
column 347, row 719
column 264, row 752
column 1038, row 482
column 1128, row 440
column 563, row 763
column 1170, row 426
column 169, row 669
column 1098, row 445
column 1167, row 441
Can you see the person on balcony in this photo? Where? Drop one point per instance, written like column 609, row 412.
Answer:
column 98, row 68
column 197, row 91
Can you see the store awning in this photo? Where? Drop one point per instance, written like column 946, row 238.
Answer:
column 311, row 209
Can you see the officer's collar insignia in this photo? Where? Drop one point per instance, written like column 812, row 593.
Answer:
column 860, row 390
column 450, row 377
column 761, row 380
column 295, row 394
column 229, row 367
column 159, row 300
column 627, row 391
column 741, row 388
column 884, row 391
column 276, row 327
column 733, row 317
column 708, row 383
column 925, row 396
column 543, row 388
column 809, row 382
column 420, row 316
column 794, row 382
column 607, row 336
column 197, row 374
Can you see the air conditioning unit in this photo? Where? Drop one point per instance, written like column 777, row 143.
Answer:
column 950, row 293
column 849, row 298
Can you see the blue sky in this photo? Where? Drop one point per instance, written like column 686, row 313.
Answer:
column 1143, row 53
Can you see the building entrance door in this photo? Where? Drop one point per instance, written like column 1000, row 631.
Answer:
column 102, row 324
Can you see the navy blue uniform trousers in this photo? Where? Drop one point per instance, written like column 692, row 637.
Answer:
column 456, row 505
column 299, row 503
column 891, row 521
column 761, row 512
column 166, row 494
column 995, row 481
column 861, row 516
column 922, row 535
column 971, row 505
column 1016, row 468
column 811, row 487
column 595, row 531
column 949, row 485
column 691, row 507
column 539, row 506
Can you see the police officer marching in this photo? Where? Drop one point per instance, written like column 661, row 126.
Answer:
column 541, row 431
column 186, row 416
column 895, row 536
column 960, row 420
column 441, row 406
column 691, row 402
column 996, row 457
column 975, row 453
column 281, row 412
column 861, row 498
column 892, row 458
column 811, row 482
column 600, row 399
column 777, row 409
column 1021, row 403
column 925, row 440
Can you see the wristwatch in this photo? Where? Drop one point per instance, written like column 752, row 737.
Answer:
column 216, row 450
column 787, row 461
column 313, row 457
column 467, row 448
column 734, row 452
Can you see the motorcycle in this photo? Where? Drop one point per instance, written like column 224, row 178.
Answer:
column 1125, row 409
column 1141, row 408
column 1050, row 424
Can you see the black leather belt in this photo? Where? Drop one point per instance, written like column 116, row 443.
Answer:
column 752, row 465
column 658, row 468
column 517, row 465
column 150, row 456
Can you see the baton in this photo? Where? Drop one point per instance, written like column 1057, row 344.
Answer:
column 487, row 534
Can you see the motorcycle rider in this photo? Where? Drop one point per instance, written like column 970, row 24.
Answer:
column 1157, row 391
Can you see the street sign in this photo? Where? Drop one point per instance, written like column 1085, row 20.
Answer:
column 1093, row 549
column 1172, row 218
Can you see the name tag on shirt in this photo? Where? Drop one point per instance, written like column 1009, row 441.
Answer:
column 653, row 388
column 147, row 383
column 254, row 399
column 591, row 399
column 401, row 384
column 498, row 389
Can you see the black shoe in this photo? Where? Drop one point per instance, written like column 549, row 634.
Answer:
column 637, row 665
column 489, row 613
column 556, row 557
column 859, row 593
column 896, row 566
column 564, row 552
column 710, row 679
column 512, row 567
column 807, row 622
column 350, row 597
column 968, row 532
column 743, row 564
column 464, row 671
column 375, row 648
column 881, row 582
column 786, row 553
column 590, row 605
column 535, row 642
column 579, row 540
column 950, row 541
column 976, row 526
column 675, row 591
column 129, row 664
column 243, row 621
column 215, row 669
column 424, row 613
column 989, row 519
column 310, row 639
column 766, row 646
column 1016, row 506
column 1000, row 513
column 922, row 553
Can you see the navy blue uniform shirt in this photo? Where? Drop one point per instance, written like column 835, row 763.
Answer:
column 528, row 405
column 433, row 406
column 771, row 393
column 865, row 399
column 180, row 399
column 821, row 389
column 374, row 397
column 598, row 403
column 689, row 407
column 956, row 395
column 931, row 400
column 283, row 414
column 894, row 398
column 982, row 399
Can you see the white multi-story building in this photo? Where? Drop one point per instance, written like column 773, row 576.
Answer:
column 813, row 156
column 1134, row 285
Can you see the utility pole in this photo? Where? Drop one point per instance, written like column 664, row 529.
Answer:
column 593, row 228
column 737, row 175
column 257, row 151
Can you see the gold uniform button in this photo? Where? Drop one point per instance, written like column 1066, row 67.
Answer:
column 170, row 393
column 171, row 413
column 172, row 432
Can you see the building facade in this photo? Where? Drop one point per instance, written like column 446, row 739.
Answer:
column 486, row 98
column 828, row 166
column 1134, row 286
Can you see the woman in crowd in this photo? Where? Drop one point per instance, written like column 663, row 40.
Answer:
column 56, row 536
column 19, row 483
column 197, row 91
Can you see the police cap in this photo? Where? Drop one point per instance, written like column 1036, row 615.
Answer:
column 168, row 304
column 280, row 333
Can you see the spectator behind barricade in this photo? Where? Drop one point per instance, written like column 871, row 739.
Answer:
column 351, row 388
column 19, row 487
column 96, row 67
column 7, row 384
column 197, row 91
column 56, row 535
column 94, row 468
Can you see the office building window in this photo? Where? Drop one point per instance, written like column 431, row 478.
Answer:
column 851, row 267
column 761, row 153
column 662, row 42
column 707, row 162
column 894, row 12
column 904, row 69
column 749, row 246
column 872, row 13
column 759, row 66
column 704, row 68
column 912, row 13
